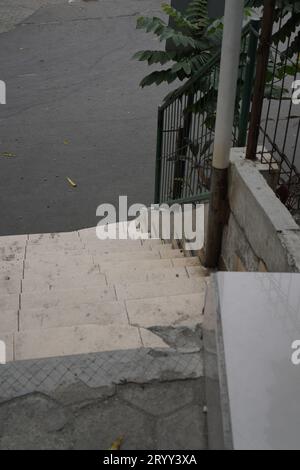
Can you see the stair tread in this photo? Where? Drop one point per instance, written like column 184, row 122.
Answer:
column 150, row 289
column 179, row 310
column 67, row 341
column 65, row 297
column 101, row 313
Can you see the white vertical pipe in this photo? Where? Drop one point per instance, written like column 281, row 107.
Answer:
column 231, row 46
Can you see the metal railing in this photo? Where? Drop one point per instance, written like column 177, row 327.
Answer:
column 185, row 135
column 186, row 120
column 279, row 124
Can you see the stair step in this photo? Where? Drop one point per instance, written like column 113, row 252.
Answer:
column 10, row 286
column 137, row 264
column 150, row 264
column 66, row 280
column 8, row 339
column 67, row 341
column 179, row 310
column 151, row 289
column 186, row 261
column 67, row 297
column 99, row 247
column 117, row 275
column 100, row 313
column 52, row 238
column 119, row 257
column 196, row 271
column 11, row 270
column 71, row 262
column 9, row 302
column 12, row 248
column 8, row 321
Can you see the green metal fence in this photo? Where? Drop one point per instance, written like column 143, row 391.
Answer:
column 186, row 124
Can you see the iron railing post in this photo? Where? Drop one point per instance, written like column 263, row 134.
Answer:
column 158, row 164
column 182, row 148
column 263, row 54
column 248, row 85
column 230, row 58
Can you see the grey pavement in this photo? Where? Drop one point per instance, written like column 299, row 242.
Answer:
column 74, row 109
column 153, row 399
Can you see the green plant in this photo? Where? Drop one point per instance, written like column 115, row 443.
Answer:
column 193, row 36
column 197, row 39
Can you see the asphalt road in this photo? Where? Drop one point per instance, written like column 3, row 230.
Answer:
column 74, row 109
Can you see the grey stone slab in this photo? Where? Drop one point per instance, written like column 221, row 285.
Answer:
column 258, row 324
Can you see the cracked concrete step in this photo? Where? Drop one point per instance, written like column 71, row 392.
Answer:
column 143, row 290
column 179, row 310
column 101, row 313
column 67, row 341
column 67, row 297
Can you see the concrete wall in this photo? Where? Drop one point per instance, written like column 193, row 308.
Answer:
column 261, row 234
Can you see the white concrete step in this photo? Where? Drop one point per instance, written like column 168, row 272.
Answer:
column 9, row 302
column 149, row 264
column 179, row 310
column 67, row 297
column 99, row 313
column 144, row 290
column 8, row 321
column 147, row 254
column 9, row 286
column 8, row 339
column 12, row 249
column 63, row 263
column 67, row 341
column 65, row 280
column 117, row 275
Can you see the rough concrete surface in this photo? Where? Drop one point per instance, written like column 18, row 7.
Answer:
column 74, row 109
column 149, row 416
column 154, row 399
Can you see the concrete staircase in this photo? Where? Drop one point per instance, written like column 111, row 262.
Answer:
column 70, row 293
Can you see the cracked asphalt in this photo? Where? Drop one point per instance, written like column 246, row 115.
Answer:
column 74, row 109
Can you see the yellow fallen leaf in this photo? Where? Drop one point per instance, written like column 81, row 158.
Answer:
column 116, row 445
column 66, row 142
column 71, row 182
column 7, row 154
